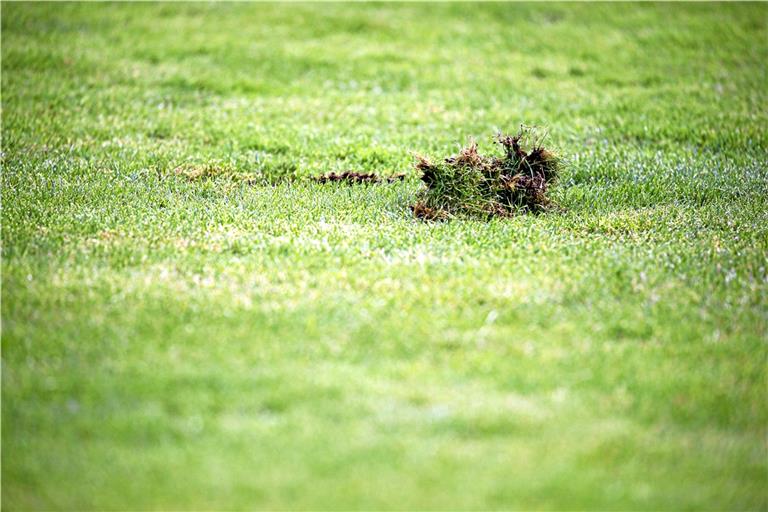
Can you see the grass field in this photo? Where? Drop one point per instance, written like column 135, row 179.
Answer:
column 189, row 322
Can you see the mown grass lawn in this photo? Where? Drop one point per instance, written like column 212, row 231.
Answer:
column 189, row 322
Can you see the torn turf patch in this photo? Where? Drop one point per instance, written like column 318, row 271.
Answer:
column 478, row 185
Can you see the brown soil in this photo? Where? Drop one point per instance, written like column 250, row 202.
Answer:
column 352, row 177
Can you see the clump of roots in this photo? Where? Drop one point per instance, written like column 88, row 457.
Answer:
column 352, row 177
column 477, row 185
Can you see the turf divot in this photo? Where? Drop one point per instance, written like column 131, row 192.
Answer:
column 477, row 185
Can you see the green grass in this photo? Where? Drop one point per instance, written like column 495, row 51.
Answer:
column 250, row 339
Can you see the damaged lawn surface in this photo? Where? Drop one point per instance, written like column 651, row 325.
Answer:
column 185, row 325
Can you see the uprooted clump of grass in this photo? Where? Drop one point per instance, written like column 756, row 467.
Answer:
column 478, row 185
